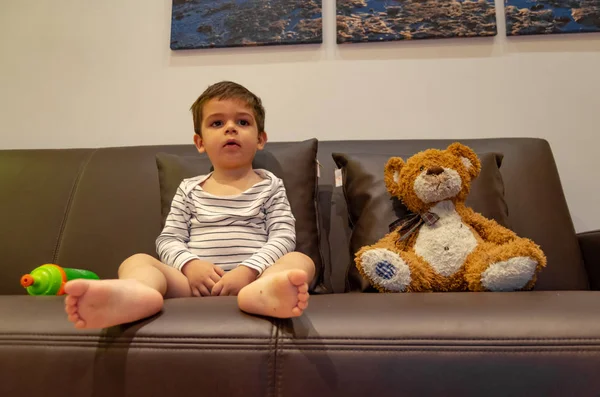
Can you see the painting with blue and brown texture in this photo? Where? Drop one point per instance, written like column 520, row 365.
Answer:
column 388, row 20
column 236, row 23
column 525, row 17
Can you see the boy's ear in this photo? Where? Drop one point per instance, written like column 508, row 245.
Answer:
column 262, row 139
column 199, row 143
column 392, row 175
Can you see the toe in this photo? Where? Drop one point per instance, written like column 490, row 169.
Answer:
column 296, row 311
column 77, row 288
column 303, row 305
column 80, row 324
column 303, row 288
column 74, row 317
column 303, row 297
column 297, row 277
column 70, row 300
column 71, row 309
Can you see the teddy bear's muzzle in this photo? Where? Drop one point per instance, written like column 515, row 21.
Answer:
column 436, row 179
column 433, row 186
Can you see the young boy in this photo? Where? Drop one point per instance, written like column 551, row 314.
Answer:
column 230, row 232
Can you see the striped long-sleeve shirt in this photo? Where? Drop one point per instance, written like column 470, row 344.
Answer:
column 254, row 228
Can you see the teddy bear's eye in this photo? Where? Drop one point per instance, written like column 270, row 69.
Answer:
column 422, row 168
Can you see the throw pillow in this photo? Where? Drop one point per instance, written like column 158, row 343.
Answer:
column 371, row 209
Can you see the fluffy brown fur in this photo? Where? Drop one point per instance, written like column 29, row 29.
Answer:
column 494, row 243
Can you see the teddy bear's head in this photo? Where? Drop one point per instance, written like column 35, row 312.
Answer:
column 432, row 176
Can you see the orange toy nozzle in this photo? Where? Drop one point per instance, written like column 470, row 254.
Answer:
column 27, row 280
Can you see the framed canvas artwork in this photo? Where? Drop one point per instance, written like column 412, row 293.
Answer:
column 237, row 23
column 387, row 20
column 526, row 17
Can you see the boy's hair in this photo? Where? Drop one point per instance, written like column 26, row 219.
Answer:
column 228, row 90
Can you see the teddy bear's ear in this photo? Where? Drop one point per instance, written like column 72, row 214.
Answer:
column 468, row 158
column 392, row 174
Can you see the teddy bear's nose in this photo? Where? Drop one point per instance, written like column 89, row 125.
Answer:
column 435, row 170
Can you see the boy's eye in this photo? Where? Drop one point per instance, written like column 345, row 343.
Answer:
column 217, row 123
column 244, row 123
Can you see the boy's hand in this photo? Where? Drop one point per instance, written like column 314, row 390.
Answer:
column 233, row 281
column 202, row 276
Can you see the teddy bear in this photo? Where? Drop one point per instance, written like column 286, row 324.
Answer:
column 444, row 245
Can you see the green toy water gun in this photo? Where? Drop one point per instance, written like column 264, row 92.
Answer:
column 50, row 279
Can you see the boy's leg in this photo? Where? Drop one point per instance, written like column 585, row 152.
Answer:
column 170, row 282
column 138, row 293
column 282, row 290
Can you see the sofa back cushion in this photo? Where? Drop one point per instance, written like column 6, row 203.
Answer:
column 294, row 163
column 91, row 208
column 371, row 208
column 536, row 204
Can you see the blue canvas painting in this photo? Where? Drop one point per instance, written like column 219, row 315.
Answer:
column 237, row 23
column 525, row 17
column 387, row 20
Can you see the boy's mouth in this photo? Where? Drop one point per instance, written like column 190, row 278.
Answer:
column 231, row 142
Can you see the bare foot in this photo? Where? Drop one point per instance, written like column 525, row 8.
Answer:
column 104, row 303
column 283, row 295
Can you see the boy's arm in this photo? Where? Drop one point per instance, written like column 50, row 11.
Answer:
column 281, row 231
column 171, row 244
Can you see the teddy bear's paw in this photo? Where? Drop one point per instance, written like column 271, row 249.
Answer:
column 510, row 275
column 386, row 269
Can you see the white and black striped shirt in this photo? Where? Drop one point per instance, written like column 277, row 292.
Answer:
column 254, row 228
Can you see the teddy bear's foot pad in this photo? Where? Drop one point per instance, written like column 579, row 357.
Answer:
column 386, row 269
column 510, row 275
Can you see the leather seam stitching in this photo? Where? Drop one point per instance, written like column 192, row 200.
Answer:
column 453, row 351
column 278, row 361
column 141, row 348
column 270, row 362
column 91, row 337
column 72, row 194
column 419, row 350
column 284, row 339
column 444, row 339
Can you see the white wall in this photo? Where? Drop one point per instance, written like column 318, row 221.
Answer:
column 77, row 73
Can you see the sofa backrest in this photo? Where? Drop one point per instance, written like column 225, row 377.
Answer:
column 537, row 208
column 92, row 208
column 78, row 208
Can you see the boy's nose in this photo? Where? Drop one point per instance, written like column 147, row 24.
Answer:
column 231, row 127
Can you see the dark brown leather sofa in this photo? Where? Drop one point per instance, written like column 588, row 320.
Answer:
column 92, row 208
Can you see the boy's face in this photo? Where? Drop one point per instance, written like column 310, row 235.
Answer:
column 230, row 135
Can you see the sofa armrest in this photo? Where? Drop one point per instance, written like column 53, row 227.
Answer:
column 444, row 344
column 194, row 347
column 589, row 243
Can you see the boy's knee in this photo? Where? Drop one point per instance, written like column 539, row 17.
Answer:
column 135, row 261
column 301, row 259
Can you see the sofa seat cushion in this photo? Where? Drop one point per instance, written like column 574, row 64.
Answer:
column 196, row 344
column 443, row 344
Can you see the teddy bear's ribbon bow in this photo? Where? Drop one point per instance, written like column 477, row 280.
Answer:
column 408, row 224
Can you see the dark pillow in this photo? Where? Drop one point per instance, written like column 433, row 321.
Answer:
column 371, row 208
column 295, row 163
